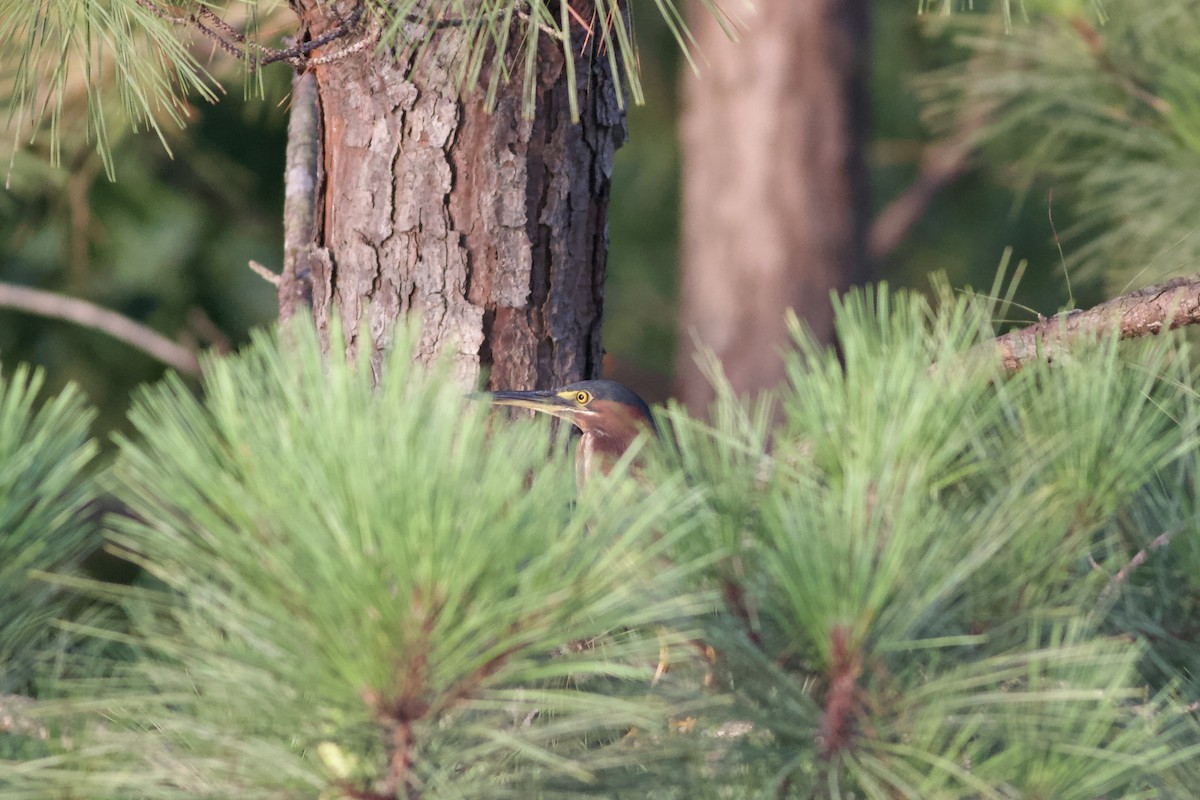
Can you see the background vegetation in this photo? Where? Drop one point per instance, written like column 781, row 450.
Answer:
column 169, row 241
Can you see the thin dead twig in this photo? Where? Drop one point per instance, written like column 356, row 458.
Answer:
column 1139, row 558
column 264, row 273
column 90, row 315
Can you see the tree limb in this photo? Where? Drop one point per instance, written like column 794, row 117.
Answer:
column 1145, row 312
column 90, row 315
column 256, row 54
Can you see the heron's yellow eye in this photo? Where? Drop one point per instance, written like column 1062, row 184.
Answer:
column 583, row 398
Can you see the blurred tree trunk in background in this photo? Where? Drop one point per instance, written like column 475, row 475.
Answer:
column 775, row 186
column 490, row 226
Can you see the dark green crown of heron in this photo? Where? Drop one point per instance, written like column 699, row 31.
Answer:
column 609, row 415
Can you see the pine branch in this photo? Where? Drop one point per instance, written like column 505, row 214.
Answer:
column 90, row 315
column 255, row 53
column 1146, row 312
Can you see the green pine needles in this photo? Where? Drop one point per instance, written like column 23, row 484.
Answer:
column 70, row 70
column 384, row 590
column 45, row 489
column 1096, row 102
column 904, row 575
column 916, row 580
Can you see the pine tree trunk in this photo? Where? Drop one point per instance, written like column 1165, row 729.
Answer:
column 775, row 195
column 491, row 227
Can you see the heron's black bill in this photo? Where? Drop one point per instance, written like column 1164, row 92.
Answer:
column 536, row 400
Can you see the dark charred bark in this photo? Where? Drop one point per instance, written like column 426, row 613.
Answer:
column 490, row 226
column 775, row 195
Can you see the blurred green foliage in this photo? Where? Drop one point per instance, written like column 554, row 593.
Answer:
column 1101, row 107
column 167, row 243
column 46, row 487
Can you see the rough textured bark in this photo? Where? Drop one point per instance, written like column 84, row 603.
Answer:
column 1146, row 312
column 492, row 227
column 775, row 197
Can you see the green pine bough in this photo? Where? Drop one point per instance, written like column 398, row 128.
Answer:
column 883, row 580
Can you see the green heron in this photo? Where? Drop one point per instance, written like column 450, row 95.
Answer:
column 609, row 415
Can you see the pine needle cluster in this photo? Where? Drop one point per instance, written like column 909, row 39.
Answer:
column 1096, row 101
column 44, row 492
column 45, row 526
column 924, row 577
column 903, row 575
